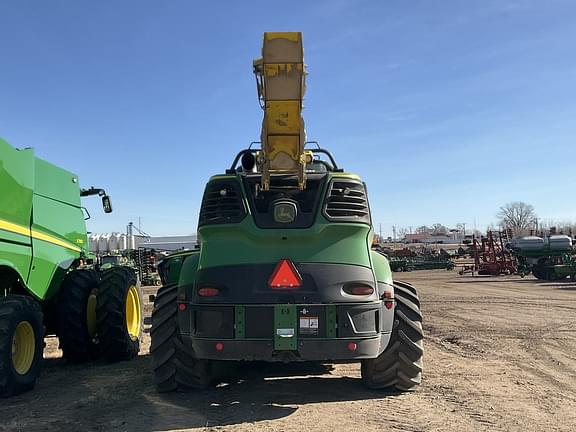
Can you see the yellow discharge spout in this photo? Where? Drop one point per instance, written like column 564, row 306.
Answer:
column 280, row 76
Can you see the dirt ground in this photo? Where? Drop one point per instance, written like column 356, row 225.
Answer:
column 500, row 355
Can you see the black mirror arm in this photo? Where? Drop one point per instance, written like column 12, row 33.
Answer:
column 92, row 191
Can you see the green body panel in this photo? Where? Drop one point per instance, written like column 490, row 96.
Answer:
column 331, row 321
column 239, row 322
column 381, row 268
column 56, row 183
column 176, row 261
column 285, row 319
column 324, row 242
column 42, row 229
column 16, row 258
column 63, row 222
column 16, row 186
column 187, row 268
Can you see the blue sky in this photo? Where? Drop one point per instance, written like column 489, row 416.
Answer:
column 448, row 109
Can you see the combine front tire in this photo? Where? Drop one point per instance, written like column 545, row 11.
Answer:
column 21, row 344
column 77, row 316
column 174, row 364
column 119, row 314
column 399, row 367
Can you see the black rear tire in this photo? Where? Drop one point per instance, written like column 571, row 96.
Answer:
column 76, row 330
column 174, row 364
column 16, row 310
column 399, row 367
column 115, row 340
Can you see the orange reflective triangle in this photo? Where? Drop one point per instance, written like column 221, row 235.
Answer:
column 285, row 276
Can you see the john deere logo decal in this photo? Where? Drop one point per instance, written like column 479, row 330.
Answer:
column 285, row 212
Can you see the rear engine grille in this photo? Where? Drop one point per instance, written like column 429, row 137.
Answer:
column 222, row 203
column 347, row 202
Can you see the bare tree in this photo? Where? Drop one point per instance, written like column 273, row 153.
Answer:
column 438, row 228
column 517, row 216
column 565, row 227
column 401, row 233
column 422, row 229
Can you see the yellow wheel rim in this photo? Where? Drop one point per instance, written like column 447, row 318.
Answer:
column 133, row 312
column 91, row 314
column 23, row 347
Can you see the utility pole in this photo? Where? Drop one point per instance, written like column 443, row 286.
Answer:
column 380, row 232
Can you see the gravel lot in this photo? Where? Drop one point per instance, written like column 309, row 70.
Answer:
column 500, row 355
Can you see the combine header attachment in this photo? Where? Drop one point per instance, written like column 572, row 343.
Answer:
column 280, row 79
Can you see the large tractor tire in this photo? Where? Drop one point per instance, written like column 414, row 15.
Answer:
column 174, row 364
column 119, row 314
column 399, row 367
column 77, row 316
column 21, row 344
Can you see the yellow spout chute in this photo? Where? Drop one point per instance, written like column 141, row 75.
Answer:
column 280, row 76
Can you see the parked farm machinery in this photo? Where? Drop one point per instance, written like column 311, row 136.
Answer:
column 145, row 263
column 547, row 258
column 50, row 284
column 405, row 260
column 491, row 256
column 284, row 271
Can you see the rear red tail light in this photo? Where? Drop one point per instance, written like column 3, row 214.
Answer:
column 360, row 290
column 208, row 292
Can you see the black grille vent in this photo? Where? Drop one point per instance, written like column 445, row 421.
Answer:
column 347, row 202
column 222, row 203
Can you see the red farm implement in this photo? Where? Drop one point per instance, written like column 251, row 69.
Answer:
column 491, row 257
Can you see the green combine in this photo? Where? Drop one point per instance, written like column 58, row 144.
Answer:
column 285, row 270
column 48, row 285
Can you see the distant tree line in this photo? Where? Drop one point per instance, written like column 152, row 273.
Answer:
column 522, row 219
column 517, row 216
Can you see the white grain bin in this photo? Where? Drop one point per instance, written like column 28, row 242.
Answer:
column 113, row 243
column 93, row 243
column 103, row 243
column 122, row 242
